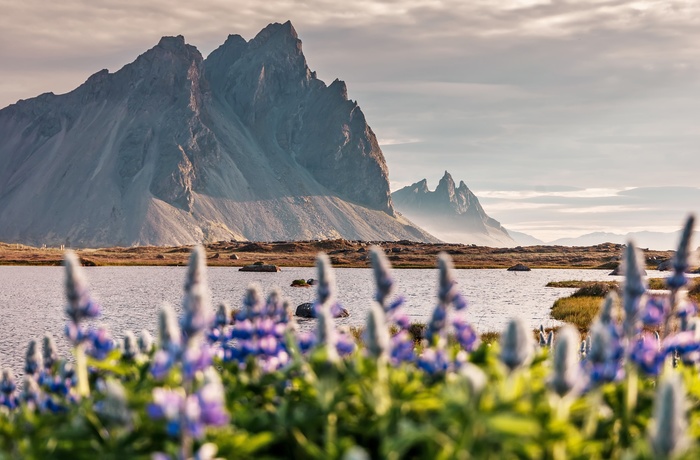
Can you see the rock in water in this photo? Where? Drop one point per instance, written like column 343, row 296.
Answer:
column 519, row 268
column 174, row 149
column 451, row 213
column 306, row 310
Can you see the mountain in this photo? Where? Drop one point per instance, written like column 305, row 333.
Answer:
column 175, row 149
column 523, row 239
column 451, row 213
column 652, row 240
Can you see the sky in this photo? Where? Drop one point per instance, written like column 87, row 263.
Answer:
column 564, row 117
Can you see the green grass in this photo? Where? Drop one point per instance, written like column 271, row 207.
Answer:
column 567, row 284
column 578, row 311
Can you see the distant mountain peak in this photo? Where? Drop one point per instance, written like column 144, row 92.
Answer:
column 451, row 213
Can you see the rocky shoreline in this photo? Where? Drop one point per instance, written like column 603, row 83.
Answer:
column 343, row 253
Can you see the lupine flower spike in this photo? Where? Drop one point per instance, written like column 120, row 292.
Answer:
column 634, row 288
column 382, row 276
column 377, row 332
column 516, row 344
column 678, row 279
column 325, row 328
column 196, row 305
column 566, row 375
column 33, row 363
column 667, row 433
column 145, row 341
column 49, row 351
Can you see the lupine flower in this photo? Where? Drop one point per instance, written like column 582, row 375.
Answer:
column 33, row 363
column 685, row 311
column 565, row 364
column 168, row 331
column 168, row 404
column 195, row 305
column 31, row 393
column 667, row 433
column 223, row 315
column 682, row 343
column 325, row 326
column 582, row 350
column 606, row 310
column 542, row 339
column 680, row 261
column 100, row 343
column 131, row 349
column 646, row 355
column 161, row 363
column 7, row 388
column 475, row 377
column 377, row 332
column 465, row 334
column 382, row 275
column 49, row 351
column 434, row 361
column 603, row 361
column 634, row 288
column 211, row 400
column 655, row 311
column 437, row 323
column 145, row 342
column 516, row 344
column 80, row 305
column 447, row 291
column 196, row 358
column 402, row 349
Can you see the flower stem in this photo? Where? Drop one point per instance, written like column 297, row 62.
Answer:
column 81, row 366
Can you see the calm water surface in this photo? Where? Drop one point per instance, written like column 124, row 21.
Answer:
column 32, row 298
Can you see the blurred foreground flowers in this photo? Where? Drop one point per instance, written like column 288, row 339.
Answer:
column 247, row 384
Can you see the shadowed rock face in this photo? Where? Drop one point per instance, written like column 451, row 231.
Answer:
column 176, row 149
column 452, row 213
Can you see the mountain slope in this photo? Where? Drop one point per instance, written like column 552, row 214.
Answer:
column 451, row 213
column 645, row 239
column 175, row 149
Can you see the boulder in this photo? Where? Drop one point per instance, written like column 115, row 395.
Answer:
column 519, row 268
column 306, row 310
column 234, row 257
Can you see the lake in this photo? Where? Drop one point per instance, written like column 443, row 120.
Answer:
column 32, row 298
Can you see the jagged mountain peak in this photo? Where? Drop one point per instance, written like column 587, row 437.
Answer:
column 451, row 213
column 176, row 149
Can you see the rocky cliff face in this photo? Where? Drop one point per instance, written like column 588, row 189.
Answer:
column 451, row 213
column 175, row 149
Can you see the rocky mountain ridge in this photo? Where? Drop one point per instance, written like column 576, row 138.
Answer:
column 452, row 213
column 175, row 149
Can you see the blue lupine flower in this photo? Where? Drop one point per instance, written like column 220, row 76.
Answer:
column 382, row 276
column 196, row 358
column 161, row 363
column 80, row 305
column 655, row 311
column 646, row 355
column 49, row 352
column 604, row 360
column 211, row 400
column 101, row 343
column 402, row 349
column 434, row 361
column 681, row 343
column 437, row 322
column 7, row 388
column 344, row 344
column 465, row 334
column 223, row 315
column 33, row 363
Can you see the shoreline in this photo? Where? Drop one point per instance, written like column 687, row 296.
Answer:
column 343, row 254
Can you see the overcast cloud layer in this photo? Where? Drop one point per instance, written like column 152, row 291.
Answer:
column 565, row 117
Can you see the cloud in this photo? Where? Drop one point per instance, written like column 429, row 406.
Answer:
column 510, row 95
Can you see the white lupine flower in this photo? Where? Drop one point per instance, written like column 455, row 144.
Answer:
column 566, row 371
column 377, row 333
column 667, row 432
column 516, row 344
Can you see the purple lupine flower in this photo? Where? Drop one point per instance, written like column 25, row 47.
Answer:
column 33, row 363
column 344, row 344
column 437, row 323
column 31, row 393
column 161, row 363
column 517, row 345
column 447, row 291
column 252, row 303
column 49, row 352
column 645, row 353
column 196, row 358
column 80, row 305
column 668, row 429
column 402, row 349
column 167, row 405
column 195, row 304
column 604, row 360
column 681, row 343
column 465, row 334
column 223, row 315
column 605, row 315
column 325, row 326
column 655, row 311
column 434, row 361
column 307, row 340
column 680, row 260
column 686, row 310
column 634, row 288
column 100, row 343
column 212, row 401
column 7, row 388
column 382, row 276
column 377, row 333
